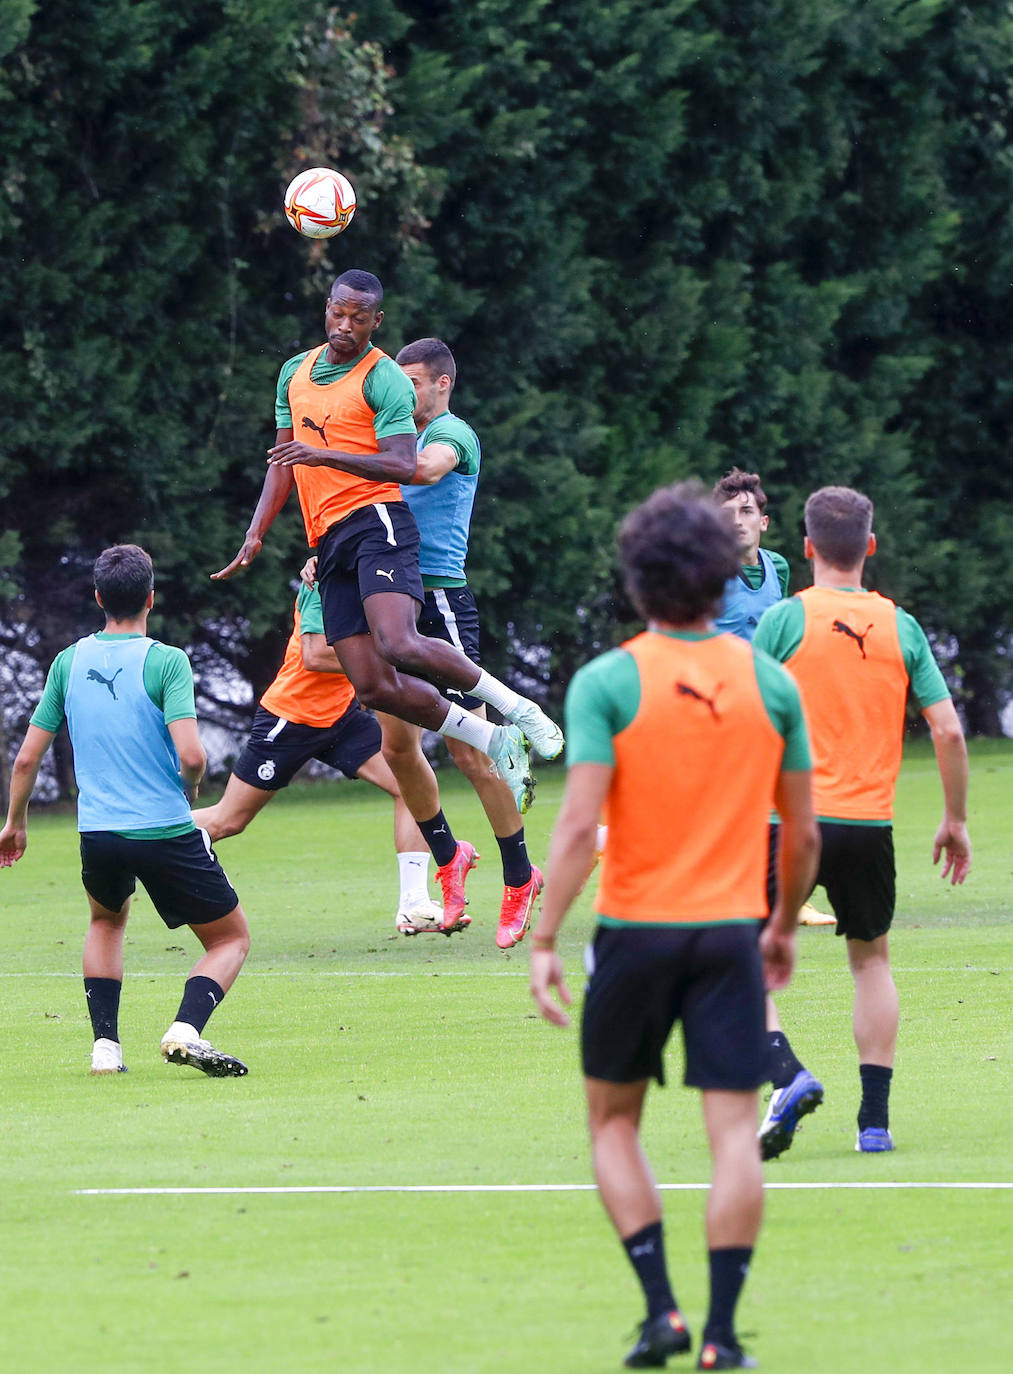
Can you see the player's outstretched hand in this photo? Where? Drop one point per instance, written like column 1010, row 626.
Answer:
column 953, row 840
column 777, row 947
column 13, row 843
column 546, row 974
column 243, row 559
column 293, row 451
column 308, row 572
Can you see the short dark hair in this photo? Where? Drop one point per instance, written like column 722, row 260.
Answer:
column 359, row 281
column 123, row 578
column 736, row 482
column 839, row 522
column 435, row 357
column 676, row 554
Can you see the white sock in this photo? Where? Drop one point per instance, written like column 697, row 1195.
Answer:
column 496, row 693
column 413, row 875
column 468, row 728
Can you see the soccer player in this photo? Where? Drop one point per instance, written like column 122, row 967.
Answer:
column 441, row 497
column 762, row 577
column 129, row 704
column 689, row 737
column 855, row 655
column 310, row 712
column 352, row 406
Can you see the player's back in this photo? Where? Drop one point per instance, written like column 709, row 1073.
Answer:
column 851, row 671
column 695, row 772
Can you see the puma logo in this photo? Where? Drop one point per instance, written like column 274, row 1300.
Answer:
column 380, row 572
column 840, row 628
column 307, row 423
column 684, row 690
column 95, row 676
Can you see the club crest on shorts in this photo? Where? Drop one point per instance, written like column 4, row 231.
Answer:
column 266, row 771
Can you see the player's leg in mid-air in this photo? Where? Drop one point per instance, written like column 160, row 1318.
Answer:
column 374, row 633
column 402, row 751
column 187, row 886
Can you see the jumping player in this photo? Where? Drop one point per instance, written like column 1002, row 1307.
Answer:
column 352, row 407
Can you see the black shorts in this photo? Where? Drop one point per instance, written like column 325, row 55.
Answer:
column 450, row 614
column 277, row 749
column 644, row 980
column 184, row 880
column 858, row 871
column 375, row 549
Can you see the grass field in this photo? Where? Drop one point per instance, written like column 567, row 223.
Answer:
column 380, row 1064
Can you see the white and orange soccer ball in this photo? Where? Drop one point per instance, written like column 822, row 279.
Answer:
column 320, row 203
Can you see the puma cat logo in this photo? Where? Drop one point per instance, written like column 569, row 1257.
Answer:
column 684, row 690
column 840, row 628
column 312, row 424
column 95, row 676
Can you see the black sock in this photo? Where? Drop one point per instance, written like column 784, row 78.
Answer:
column 438, row 837
column 782, row 1066
column 200, row 997
column 103, row 996
column 729, row 1268
column 516, row 864
column 646, row 1249
column 875, row 1108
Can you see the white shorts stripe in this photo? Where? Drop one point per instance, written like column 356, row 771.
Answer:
column 276, row 730
column 385, row 520
column 447, row 616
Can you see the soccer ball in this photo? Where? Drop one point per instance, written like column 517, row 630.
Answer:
column 320, row 203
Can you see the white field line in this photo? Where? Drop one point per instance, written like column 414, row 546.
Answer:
column 519, row 972
column 497, row 1188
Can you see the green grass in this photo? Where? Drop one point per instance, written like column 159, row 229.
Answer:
column 378, row 1061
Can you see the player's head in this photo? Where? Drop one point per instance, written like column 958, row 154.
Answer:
column 742, row 498
column 352, row 314
column 676, row 554
column 124, row 580
column 838, row 527
column 430, row 365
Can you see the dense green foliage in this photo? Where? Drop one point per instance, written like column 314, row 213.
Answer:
column 661, row 238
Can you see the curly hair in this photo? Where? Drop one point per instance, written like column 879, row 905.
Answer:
column 736, row 482
column 676, row 554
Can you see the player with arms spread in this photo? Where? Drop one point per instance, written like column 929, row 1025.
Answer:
column 855, row 655
column 129, row 704
column 687, row 737
column 346, row 440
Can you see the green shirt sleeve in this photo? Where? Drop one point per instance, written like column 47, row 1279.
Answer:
column 282, row 409
column 783, row 571
column 168, row 681
column 311, row 611
column 927, row 683
column 784, row 707
column 781, row 628
column 49, row 714
column 457, row 434
column 389, row 393
column 602, row 699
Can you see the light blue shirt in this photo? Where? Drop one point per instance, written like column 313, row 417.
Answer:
column 126, row 764
column 743, row 605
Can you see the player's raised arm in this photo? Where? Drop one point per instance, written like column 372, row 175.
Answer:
column 278, row 482
column 14, row 836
